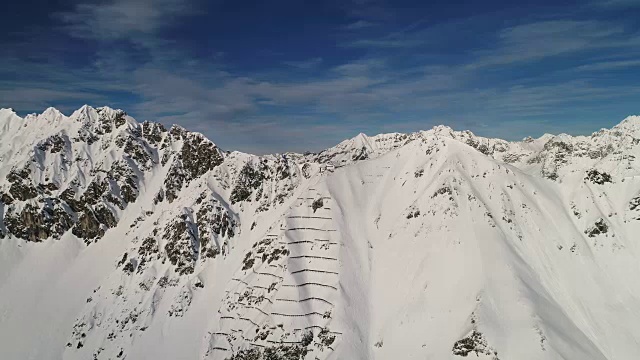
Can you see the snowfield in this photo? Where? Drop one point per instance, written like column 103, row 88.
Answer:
column 126, row 240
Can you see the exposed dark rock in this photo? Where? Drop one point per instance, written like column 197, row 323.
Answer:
column 512, row 158
column 68, row 196
column 558, row 146
column 248, row 180
column 197, row 156
column 88, row 227
column 181, row 244
column 555, row 155
column 306, row 170
column 474, row 143
column 33, row 224
column 484, row 149
column 362, row 154
column 476, row 343
column 247, row 354
column 267, row 250
column 317, row 204
column 248, row 261
column 551, row 174
column 124, row 258
column 6, row 198
column 137, row 150
column 21, row 191
column 307, row 339
column 177, row 132
column 94, row 192
column 106, row 125
column 47, row 188
column 119, row 120
column 86, row 135
column 159, row 197
column 213, row 221
column 598, row 177
column 276, row 352
column 108, row 119
column 105, row 216
column 413, row 214
column 153, row 132
column 54, row 144
column 19, row 175
column 600, row 227
column 282, row 169
column 127, row 180
column 129, row 267
column 174, row 181
column 325, row 337
column 443, row 191
column 148, row 251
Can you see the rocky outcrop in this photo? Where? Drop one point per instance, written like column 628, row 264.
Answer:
column 197, row 156
column 37, row 224
column 182, row 247
column 248, row 180
column 473, row 343
column 600, row 227
column 597, row 177
column 88, row 227
column 215, row 226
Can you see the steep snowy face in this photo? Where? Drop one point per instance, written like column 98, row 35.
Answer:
column 121, row 239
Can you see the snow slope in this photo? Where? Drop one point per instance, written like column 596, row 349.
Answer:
column 121, row 239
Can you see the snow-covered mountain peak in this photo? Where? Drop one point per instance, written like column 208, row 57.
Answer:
column 545, row 137
column 6, row 114
column 360, row 138
column 85, row 113
column 442, row 130
column 51, row 114
column 630, row 125
column 563, row 137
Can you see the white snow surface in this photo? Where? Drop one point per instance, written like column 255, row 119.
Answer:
column 395, row 246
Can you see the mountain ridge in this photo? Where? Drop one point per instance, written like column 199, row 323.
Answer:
column 632, row 122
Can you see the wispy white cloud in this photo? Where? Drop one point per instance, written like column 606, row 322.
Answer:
column 118, row 19
column 360, row 67
column 389, row 43
column 609, row 65
column 35, row 85
column 368, row 9
column 615, row 4
column 361, row 91
column 359, row 25
column 538, row 40
column 304, row 64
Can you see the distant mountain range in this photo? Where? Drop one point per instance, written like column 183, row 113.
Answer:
column 127, row 240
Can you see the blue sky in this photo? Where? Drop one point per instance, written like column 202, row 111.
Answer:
column 274, row 76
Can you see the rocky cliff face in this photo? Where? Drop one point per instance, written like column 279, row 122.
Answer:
column 155, row 243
